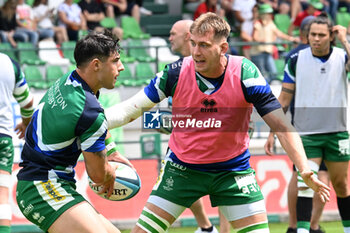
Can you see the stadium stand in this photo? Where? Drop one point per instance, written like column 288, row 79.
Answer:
column 49, row 53
column 7, row 49
column 53, row 73
column 163, row 54
column 144, row 73
column 132, row 29
column 137, row 50
column 282, row 22
column 68, row 50
column 27, row 54
column 34, row 77
column 343, row 17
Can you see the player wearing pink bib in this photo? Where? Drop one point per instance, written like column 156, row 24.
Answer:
column 213, row 95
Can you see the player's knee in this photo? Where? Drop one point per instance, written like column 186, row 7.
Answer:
column 5, row 180
column 341, row 188
column 261, row 227
column 151, row 222
column 5, row 212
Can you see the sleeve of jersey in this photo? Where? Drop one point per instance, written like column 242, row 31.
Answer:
column 289, row 70
column 256, row 90
column 164, row 84
column 92, row 126
column 21, row 92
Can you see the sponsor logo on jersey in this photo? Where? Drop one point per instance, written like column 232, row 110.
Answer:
column 51, row 191
column 209, row 105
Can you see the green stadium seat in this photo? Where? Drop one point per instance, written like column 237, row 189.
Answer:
column 280, row 68
column 125, row 58
column 159, row 30
column 144, row 73
column 132, row 28
column 8, row 50
column 53, row 73
column 282, row 22
column 125, row 77
column 34, row 77
column 343, row 17
column 108, row 22
column 156, row 8
column 159, row 20
column 27, row 54
column 68, row 50
column 139, row 53
column 30, row 2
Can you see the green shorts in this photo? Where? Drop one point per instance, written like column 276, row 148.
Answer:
column 331, row 147
column 6, row 154
column 42, row 202
column 183, row 186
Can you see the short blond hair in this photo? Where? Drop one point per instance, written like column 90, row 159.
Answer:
column 210, row 21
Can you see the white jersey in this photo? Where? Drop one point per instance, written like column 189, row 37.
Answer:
column 321, row 93
column 12, row 84
column 7, row 86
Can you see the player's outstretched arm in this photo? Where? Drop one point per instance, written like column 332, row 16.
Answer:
column 291, row 143
column 128, row 110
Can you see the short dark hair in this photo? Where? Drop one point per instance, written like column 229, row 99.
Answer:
column 95, row 45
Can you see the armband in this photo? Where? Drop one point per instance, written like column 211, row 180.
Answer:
column 110, row 146
column 27, row 112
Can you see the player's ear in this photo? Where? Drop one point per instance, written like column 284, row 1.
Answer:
column 224, row 48
column 95, row 63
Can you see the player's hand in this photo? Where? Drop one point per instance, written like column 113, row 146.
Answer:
column 108, row 182
column 319, row 187
column 340, row 32
column 20, row 130
column 269, row 144
column 118, row 157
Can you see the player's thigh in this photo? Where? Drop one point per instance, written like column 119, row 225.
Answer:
column 338, row 173
column 6, row 153
column 181, row 185
column 313, row 146
column 43, row 202
column 235, row 188
column 81, row 218
column 108, row 225
column 337, row 147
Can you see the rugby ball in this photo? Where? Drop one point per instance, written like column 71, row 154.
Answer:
column 126, row 185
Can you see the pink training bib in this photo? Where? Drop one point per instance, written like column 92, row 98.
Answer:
column 209, row 128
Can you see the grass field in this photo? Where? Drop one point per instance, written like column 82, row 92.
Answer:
column 329, row 227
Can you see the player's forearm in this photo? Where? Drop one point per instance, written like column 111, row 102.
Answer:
column 129, row 110
column 293, row 146
column 346, row 47
column 288, row 138
column 96, row 165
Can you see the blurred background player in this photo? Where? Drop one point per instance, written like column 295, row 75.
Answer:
column 224, row 164
column 321, row 118
column 317, row 205
column 53, row 144
column 314, row 8
column 265, row 31
column 12, row 84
